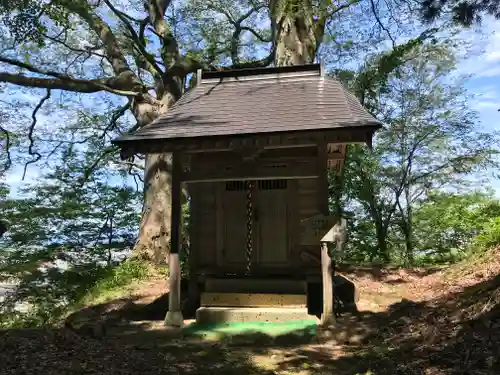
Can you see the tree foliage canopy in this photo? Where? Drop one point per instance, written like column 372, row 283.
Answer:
column 465, row 13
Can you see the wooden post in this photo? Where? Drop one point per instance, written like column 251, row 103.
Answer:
column 327, row 317
column 174, row 316
column 193, row 289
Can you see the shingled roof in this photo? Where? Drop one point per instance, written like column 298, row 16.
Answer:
column 265, row 100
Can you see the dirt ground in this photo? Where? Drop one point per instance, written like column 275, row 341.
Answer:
column 418, row 321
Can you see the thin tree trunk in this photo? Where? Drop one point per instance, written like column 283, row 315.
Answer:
column 338, row 188
column 383, row 249
column 407, row 227
column 110, row 241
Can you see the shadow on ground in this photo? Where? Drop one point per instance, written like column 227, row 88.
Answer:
column 132, row 310
column 456, row 334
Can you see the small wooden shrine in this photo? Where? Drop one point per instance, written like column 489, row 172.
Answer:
column 254, row 147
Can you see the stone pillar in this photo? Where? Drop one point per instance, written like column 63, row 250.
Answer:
column 174, row 316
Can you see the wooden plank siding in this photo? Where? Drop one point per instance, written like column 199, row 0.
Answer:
column 309, row 200
column 212, row 206
column 207, row 230
column 204, row 223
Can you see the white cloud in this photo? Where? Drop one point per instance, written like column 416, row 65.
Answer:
column 486, row 98
column 483, row 57
column 488, row 73
column 481, row 105
column 488, row 92
column 493, row 56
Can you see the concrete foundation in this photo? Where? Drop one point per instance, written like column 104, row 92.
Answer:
column 253, row 300
column 210, row 315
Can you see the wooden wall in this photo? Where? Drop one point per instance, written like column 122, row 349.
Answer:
column 305, row 198
column 203, row 225
column 309, row 198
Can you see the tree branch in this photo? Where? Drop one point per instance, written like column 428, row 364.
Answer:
column 114, row 118
column 91, row 168
column 74, row 85
column 63, row 82
column 256, row 63
column 238, row 28
column 379, row 21
column 343, row 6
column 34, row 69
column 322, row 20
column 128, row 80
column 155, row 69
column 89, row 50
column 156, row 10
column 256, row 34
column 36, row 155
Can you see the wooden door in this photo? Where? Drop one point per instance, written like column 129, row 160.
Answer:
column 272, row 223
column 232, row 234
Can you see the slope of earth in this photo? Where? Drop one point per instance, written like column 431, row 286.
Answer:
column 447, row 323
column 417, row 321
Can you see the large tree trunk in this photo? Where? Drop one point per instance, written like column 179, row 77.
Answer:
column 296, row 33
column 153, row 242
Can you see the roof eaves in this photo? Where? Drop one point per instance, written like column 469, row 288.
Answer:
column 373, row 125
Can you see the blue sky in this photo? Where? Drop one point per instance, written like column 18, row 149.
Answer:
column 483, row 67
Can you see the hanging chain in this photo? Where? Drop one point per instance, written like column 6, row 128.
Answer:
column 249, row 225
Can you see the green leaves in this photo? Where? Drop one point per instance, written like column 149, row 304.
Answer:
column 464, row 13
column 29, row 20
column 374, row 76
column 65, row 236
column 448, row 222
column 430, row 141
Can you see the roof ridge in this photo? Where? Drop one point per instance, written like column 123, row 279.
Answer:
column 261, row 79
column 247, row 72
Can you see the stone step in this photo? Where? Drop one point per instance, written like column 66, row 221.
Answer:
column 267, row 285
column 211, row 315
column 217, row 299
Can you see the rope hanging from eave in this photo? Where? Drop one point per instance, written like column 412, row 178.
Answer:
column 249, row 186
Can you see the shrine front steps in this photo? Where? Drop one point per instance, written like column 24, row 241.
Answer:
column 217, row 307
column 271, row 300
column 214, row 315
column 242, row 300
column 255, row 285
